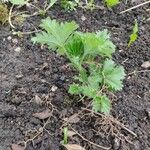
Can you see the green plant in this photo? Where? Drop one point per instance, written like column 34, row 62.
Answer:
column 111, row 3
column 134, row 35
column 65, row 136
column 3, row 13
column 69, row 4
column 18, row 2
column 96, row 78
column 90, row 4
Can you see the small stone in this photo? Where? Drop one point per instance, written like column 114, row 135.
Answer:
column 19, row 76
column 18, row 49
column 62, row 78
column 54, row 88
column 116, row 144
column 83, row 18
column 9, row 38
column 146, row 64
column 15, row 41
column 38, row 100
column 16, row 100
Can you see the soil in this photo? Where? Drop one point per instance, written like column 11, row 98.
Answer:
column 33, row 79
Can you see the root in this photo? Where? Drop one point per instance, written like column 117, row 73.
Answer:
column 92, row 143
column 111, row 120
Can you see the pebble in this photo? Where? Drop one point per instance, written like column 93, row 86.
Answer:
column 15, row 41
column 54, row 88
column 9, row 38
column 17, row 49
column 62, row 78
column 83, row 18
column 116, row 144
column 146, row 64
column 19, row 76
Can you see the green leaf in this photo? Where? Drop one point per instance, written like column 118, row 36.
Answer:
column 134, row 35
column 74, row 89
column 56, row 34
column 18, row 2
column 52, row 2
column 89, row 91
column 75, row 47
column 113, row 75
column 102, row 104
column 111, row 3
column 106, row 47
column 97, row 43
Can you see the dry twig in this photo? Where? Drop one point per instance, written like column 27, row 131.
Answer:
column 115, row 121
column 92, row 143
column 134, row 7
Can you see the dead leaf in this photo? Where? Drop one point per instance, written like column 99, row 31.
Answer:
column 72, row 119
column 146, row 64
column 43, row 115
column 73, row 147
column 38, row 100
column 17, row 147
column 70, row 133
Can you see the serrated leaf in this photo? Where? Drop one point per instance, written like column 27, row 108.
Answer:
column 102, row 104
column 134, row 35
column 18, row 2
column 111, row 3
column 56, row 34
column 113, row 75
column 106, row 47
column 97, row 43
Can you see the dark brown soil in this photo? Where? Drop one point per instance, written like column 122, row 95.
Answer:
column 32, row 70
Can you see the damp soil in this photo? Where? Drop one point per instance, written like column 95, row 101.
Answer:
column 33, row 79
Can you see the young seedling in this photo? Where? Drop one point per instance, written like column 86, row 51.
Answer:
column 69, row 5
column 95, row 78
column 111, row 3
column 134, row 35
column 65, row 136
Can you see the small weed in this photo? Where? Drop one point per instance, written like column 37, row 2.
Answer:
column 65, row 136
column 98, row 77
column 111, row 3
column 134, row 35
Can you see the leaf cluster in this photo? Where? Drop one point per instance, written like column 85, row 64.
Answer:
column 82, row 49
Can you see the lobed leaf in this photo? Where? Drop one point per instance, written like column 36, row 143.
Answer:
column 57, row 33
column 113, row 75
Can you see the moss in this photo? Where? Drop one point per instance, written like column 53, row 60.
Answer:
column 3, row 13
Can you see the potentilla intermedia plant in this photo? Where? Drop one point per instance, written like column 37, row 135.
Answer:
column 96, row 77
